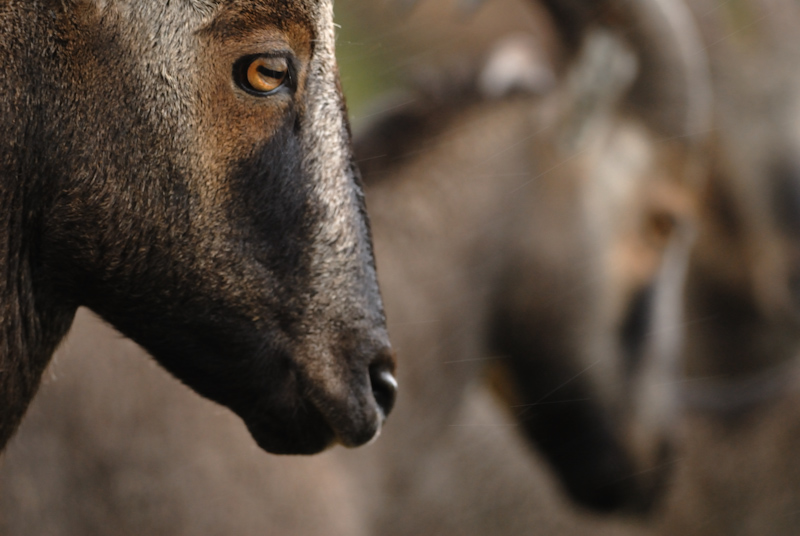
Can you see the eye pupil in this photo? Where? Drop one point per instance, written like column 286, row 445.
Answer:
column 262, row 74
column 269, row 73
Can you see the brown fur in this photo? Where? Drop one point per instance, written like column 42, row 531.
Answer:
column 224, row 232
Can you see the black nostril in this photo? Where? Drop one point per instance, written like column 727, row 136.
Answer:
column 384, row 387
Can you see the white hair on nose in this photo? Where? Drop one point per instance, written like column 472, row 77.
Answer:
column 325, row 139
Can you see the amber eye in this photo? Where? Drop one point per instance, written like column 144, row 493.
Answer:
column 262, row 75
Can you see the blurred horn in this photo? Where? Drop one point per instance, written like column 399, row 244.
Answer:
column 673, row 90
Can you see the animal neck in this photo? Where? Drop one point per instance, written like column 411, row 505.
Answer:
column 30, row 326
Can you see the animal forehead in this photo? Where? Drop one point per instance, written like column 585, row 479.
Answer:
column 239, row 18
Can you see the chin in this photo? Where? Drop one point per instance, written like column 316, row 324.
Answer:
column 297, row 439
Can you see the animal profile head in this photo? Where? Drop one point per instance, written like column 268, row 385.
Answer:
column 184, row 169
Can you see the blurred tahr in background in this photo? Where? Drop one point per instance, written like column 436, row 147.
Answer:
column 561, row 224
column 586, row 219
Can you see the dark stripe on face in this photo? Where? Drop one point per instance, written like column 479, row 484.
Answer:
column 635, row 327
column 271, row 203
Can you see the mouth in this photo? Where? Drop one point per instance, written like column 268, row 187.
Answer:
column 312, row 424
column 305, row 410
column 358, row 418
column 310, row 435
column 304, row 432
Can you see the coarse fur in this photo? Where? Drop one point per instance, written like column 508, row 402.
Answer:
column 224, row 232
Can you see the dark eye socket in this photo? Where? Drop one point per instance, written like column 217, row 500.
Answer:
column 635, row 326
column 262, row 75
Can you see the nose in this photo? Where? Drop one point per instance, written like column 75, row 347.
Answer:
column 384, row 386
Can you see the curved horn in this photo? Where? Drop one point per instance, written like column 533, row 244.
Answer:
column 673, row 90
